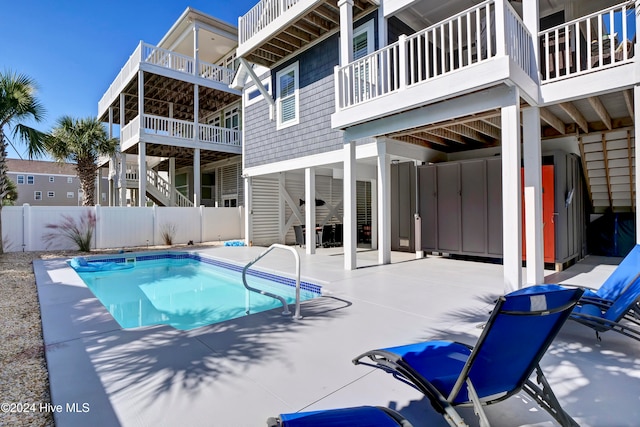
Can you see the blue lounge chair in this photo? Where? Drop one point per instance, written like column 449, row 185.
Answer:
column 362, row 416
column 620, row 315
column 622, row 277
column 516, row 336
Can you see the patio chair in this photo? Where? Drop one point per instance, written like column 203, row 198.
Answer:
column 622, row 277
column 519, row 330
column 297, row 229
column 362, row 416
column 620, row 315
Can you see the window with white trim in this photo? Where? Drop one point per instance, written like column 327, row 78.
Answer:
column 37, row 195
column 363, row 40
column 51, row 194
column 30, row 180
column 20, row 179
column 69, row 180
column 52, row 179
column 232, row 118
column 70, row 195
column 287, row 88
column 253, row 94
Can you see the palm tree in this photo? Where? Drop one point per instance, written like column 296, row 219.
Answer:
column 18, row 103
column 81, row 141
column 11, row 194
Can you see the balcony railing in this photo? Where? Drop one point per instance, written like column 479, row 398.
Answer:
column 261, row 15
column 468, row 38
column 182, row 129
column 149, row 54
column 594, row 42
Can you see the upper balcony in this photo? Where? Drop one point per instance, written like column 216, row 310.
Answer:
column 483, row 46
column 147, row 57
column 275, row 29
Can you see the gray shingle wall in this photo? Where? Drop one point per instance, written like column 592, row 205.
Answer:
column 313, row 135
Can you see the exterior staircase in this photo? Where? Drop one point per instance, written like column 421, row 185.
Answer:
column 158, row 188
column 608, row 163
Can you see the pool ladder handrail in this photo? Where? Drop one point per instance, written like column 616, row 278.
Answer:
column 269, row 294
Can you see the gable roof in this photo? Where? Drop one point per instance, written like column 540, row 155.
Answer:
column 41, row 167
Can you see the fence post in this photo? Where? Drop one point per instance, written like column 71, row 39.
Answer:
column 201, row 223
column 97, row 241
column 26, row 227
column 155, row 228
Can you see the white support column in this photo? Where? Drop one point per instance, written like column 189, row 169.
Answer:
column 511, row 195
column 172, row 180
column 122, row 179
column 142, row 173
column 349, row 208
column 531, row 19
column 282, row 219
column 196, row 113
column 374, row 213
column 346, row 31
column 196, row 177
column 384, row 204
column 196, row 50
column 248, row 213
column 383, row 33
column 310, row 210
column 142, row 158
column 533, row 196
column 636, row 136
column 112, row 161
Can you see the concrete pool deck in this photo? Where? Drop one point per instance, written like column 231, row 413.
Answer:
column 239, row 372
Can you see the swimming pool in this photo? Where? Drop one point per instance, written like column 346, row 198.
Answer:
column 186, row 290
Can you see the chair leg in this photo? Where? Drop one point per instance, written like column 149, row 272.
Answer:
column 548, row 400
column 477, row 405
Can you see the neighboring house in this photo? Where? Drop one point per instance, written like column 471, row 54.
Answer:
column 42, row 183
column 417, row 118
column 180, row 145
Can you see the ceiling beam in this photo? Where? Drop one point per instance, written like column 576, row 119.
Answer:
column 575, row 115
column 485, row 128
column 601, row 111
column 466, row 131
column 447, row 134
column 628, row 100
column 552, row 120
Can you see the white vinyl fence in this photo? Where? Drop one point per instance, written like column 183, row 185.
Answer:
column 24, row 228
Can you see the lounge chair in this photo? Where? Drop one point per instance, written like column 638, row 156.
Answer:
column 362, row 416
column 622, row 277
column 519, row 330
column 620, row 315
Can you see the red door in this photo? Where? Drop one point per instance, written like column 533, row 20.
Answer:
column 548, row 219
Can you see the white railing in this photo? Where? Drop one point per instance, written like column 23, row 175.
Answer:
column 160, row 184
column 470, row 37
column 130, row 130
column 164, row 126
column 150, row 54
column 215, row 73
column 166, row 58
column 219, row 135
column 593, row 42
column 121, row 79
column 261, row 15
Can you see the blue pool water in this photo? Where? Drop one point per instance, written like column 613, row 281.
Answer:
column 186, row 293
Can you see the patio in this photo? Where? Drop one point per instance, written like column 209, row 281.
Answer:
column 240, row 372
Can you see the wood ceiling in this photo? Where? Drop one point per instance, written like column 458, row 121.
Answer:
column 323, row 19
column 160, row 92
column 594, row 114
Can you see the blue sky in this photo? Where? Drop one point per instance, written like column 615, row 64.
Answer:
column 75, row 48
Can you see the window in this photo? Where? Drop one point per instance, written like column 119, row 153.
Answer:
column 51, row 194
column 37, row 195
column 52, row 179
column 70, row 180
column 30, row 179
column 287, row 91
column 70, row 195
column 230, row 202
column 363, row 43
column 253, row 95
column 232, row 118
column 20, row 179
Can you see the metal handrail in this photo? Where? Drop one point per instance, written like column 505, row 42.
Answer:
column 269, row 294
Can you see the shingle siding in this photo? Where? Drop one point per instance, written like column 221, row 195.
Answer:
column 313, row 135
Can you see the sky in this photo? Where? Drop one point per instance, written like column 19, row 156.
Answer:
column 74, row 49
